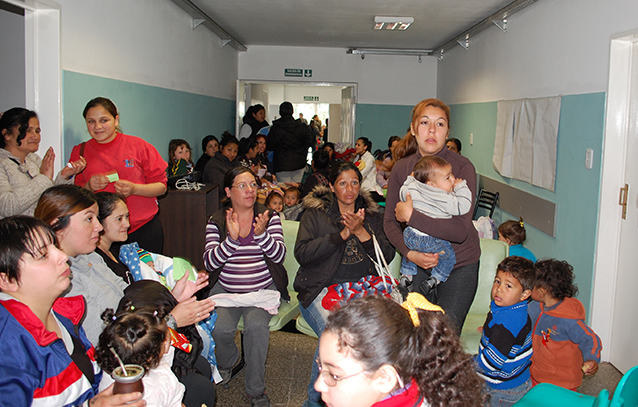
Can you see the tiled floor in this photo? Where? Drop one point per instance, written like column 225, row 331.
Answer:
column 290, row 358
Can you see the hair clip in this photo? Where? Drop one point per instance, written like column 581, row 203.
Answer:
column 416, row 301
column 521, row 223
column 132, row 308
column 155, row 313
column 114, row 318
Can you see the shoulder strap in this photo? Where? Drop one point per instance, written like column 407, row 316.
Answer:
column 82, row 148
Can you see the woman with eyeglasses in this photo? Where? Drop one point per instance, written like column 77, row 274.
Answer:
column 244, row 254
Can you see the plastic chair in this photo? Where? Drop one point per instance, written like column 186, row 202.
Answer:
column 545, row 394
column 626, row 394
column 487, row 200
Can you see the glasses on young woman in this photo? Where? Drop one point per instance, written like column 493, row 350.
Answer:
column 242, row 186
column 330, row 379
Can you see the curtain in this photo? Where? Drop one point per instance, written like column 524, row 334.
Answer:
column 526, row 139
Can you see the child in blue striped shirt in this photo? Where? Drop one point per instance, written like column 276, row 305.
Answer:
column 505, row 350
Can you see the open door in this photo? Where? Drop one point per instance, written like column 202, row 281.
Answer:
column 615, row 281
column 348, row 111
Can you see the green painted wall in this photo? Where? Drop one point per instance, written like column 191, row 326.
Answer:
column 577, row 189
column 155, row 114
column 380, row 122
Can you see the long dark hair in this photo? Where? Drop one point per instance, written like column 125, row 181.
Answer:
column 376, row 331
column 58, row 203
column 16, row 117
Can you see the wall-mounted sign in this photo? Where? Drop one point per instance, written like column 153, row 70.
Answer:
column 311, row 98
column 293, row 72
column 298, row 73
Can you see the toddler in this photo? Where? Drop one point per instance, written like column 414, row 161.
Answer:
column 179, row 158
column 512, row 232
column 293, row 208
column 564, row 347
column 275, row 202
column 505, row 350
column 141, row 337
column 438, row 194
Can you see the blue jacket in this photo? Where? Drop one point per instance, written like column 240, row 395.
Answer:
column 35, row 367
column 505, row 350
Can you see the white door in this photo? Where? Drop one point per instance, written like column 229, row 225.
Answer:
column 348, row 111
column 615, row 301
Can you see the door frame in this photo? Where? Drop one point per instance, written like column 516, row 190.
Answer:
column 613, row 165
column 240, row 97
column 43, row 70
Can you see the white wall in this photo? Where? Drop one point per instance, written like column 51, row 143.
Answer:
column 12, row 80
column 150, row 42
column 550, row 48
column 382, row 79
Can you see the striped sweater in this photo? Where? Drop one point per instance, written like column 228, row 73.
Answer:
column 242, row 261
column 505, row 350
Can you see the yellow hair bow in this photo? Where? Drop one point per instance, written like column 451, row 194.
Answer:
column 416, row 301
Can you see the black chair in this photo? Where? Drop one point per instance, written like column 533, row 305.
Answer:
column 487, row 200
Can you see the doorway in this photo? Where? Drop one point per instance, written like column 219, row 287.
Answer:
column 333, row 101
column 615, row 279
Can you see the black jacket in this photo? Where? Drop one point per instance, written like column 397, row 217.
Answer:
column 277, row 270
column 319, row 248
column 215, row 171
column 289, row 139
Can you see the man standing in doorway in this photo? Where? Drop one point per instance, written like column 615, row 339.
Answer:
column 304, row 121
column 289, row 139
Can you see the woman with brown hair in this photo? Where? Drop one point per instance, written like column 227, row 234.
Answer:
column 429, row 130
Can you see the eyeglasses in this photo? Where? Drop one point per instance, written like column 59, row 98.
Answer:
column 330, row 379
column 242, row 186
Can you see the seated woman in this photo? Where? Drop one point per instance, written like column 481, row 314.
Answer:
column 48, row 360
column 179, row 158
column 334, row 245
column 72, row 212
column 210, row 146
column 244, row 254
column 364, row 160
column 223, row 161
column 393, row 356
column 23, row 174
column 320, row 172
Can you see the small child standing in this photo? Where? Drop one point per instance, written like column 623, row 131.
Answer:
column 438, row 194
column 275, row 202
column 293, row 208
column 179, row 158
column 513, row 233
column 564, row 347
column 141, row 337
column 505, row 350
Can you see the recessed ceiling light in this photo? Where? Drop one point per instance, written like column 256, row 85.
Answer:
column 391, row 23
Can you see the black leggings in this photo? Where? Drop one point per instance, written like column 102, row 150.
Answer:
column 456, row 294
column 150, row 236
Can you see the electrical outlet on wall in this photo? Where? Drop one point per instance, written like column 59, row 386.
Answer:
column 589, row 158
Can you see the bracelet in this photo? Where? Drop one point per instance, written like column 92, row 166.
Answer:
column 170, row 321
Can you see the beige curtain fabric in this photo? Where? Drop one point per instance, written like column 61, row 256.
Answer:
column 526, row 139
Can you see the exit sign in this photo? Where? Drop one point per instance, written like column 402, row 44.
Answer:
column 311, row 98
column 298, row 73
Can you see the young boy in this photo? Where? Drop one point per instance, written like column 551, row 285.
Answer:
column 506, row 343
column 292, row 207
column 564, row 347
column 437, row 193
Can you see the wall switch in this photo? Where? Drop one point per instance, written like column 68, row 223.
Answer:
column 471, row 139
column 589, row 158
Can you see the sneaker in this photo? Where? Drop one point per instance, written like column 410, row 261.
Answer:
column 226, row 375
column 428, row 286
column 259, row 401
column 405, row 286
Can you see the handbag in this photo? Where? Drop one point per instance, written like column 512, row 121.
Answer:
column 384, row 272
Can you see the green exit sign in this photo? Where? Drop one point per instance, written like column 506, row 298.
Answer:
column 298, row 73
column 311, row 98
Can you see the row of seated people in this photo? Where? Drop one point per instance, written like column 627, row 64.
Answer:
column 244, row 250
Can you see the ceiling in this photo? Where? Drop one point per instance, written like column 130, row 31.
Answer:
column 346, row 23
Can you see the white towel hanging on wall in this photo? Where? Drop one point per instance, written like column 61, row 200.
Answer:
column 526, row 139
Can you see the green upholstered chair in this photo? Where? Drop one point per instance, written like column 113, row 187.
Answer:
column 303, row 327
column 545, row 394
column 492, row 253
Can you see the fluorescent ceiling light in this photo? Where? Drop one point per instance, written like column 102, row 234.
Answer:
column 402, row 23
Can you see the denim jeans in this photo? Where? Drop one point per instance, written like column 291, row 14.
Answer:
column 316, row 316
column 507, row 397
column 423, row 243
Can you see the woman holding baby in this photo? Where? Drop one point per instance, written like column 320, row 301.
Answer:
column 429, row 131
